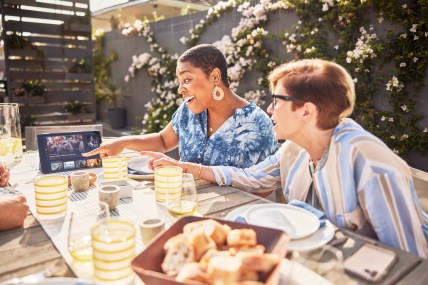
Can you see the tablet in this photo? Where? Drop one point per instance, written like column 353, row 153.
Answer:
column 60, row 152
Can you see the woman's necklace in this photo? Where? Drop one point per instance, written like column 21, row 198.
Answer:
column 235, row 103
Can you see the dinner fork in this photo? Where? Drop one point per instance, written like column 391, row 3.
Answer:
column 52, row 270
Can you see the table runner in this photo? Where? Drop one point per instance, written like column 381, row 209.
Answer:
column 141, row 206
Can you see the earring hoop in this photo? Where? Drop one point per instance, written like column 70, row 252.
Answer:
column 218, row 93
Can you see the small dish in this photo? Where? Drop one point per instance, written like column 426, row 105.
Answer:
column 321, row 237
column 140, row 165
column 92, row 179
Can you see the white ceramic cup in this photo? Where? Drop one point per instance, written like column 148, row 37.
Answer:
column 150, row 228
column 79, row 180
column 110, row 194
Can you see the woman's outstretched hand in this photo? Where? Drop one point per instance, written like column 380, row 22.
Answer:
column 110, row 148
column 159, row 159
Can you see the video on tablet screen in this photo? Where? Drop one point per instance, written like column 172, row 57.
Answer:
column 63, row 151
column 69, row 146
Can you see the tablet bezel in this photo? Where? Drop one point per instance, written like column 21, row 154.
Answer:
column 46, row 161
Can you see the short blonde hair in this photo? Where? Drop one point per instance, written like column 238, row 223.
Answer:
column 324, row 83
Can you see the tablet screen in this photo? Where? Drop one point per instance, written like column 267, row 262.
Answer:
column 63, row 151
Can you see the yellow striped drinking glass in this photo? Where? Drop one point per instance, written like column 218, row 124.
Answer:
column 51, row 196
column 168, row 181
column 113, row 249
column 112, row 168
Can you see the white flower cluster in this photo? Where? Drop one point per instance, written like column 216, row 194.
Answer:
column 390, row 119
column 137, row 63
column 394, row 85
column 213, row 12
column 326, row 4
column 256, row 96
column 363, row 47
column 232, row 47
column 139, row 27
column 405, row 108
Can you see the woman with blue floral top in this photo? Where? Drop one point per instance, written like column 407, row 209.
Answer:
column 213, row 126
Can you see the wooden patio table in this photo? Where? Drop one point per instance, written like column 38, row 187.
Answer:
column 29, row 249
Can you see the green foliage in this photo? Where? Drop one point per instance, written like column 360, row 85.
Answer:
column 388, row 68
column 16, row 41
column 34, row 88
column 74, row 107
column 80, row 66
column 401, row 54
column 27, row 120
column 101, row 68
column 110, row 93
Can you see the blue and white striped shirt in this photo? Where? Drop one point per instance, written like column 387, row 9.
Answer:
column 361, row 181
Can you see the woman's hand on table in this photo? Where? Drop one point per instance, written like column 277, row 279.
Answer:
column 197, row 170
column 13, row 211
column 160, row 159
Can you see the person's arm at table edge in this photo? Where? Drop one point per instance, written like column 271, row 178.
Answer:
column 13, row 211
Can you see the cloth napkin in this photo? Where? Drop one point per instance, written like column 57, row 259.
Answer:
column 318, row 213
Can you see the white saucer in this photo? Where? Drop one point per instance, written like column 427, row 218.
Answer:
column 321, row 237
column 140, row 164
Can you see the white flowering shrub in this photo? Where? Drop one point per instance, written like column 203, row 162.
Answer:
column 330, row 29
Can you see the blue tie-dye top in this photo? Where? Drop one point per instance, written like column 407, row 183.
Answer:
column 243, row 140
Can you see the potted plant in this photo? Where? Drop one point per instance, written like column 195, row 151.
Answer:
column 75, row 107
column 32, row 91
column 115, row 115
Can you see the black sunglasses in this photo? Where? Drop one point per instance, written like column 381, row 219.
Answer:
column 283, row 97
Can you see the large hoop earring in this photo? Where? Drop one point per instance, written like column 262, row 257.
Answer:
column 220, row 94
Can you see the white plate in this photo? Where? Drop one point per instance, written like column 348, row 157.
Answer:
column 321, row 237
column 62, row 281
column 296, row 222
column 140, row 164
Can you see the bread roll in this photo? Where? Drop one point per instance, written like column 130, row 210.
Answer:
column 224, row 270
column 258, row 262
column 248, row 275
column 210, row 254
column 192, row 271
column 178, row 253
column 242, row 237
column 213, row 229
column 258, row 248
column 201, row 244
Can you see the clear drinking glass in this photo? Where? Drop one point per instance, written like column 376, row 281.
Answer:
column 168, row 179
column 185, row 202
column 113, row 249
column 326, row 261
column 79, row 231
column 10, row 134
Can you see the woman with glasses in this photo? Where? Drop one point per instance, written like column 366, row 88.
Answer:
column 213, row 126
column 329, row 161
